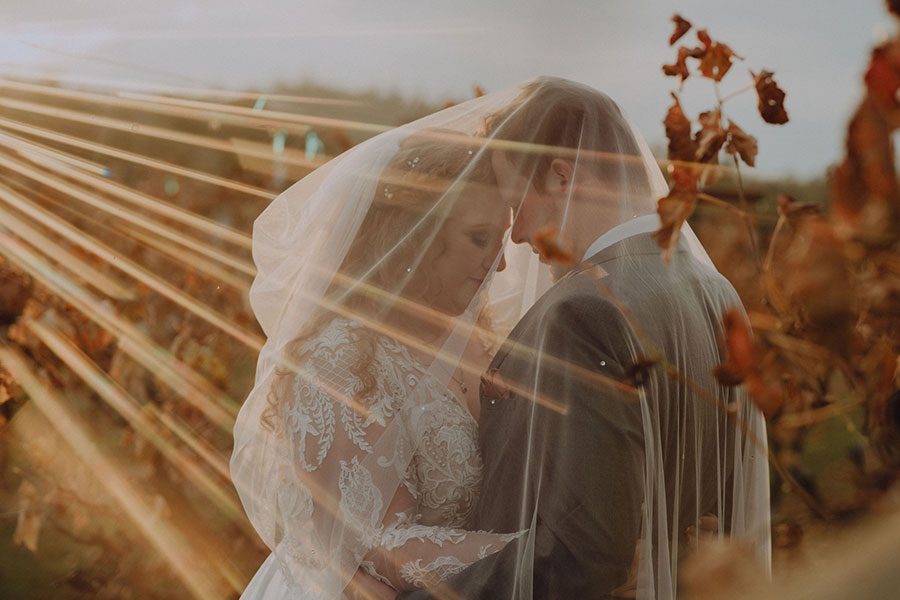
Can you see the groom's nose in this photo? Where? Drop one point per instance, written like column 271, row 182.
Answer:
column 518, row 233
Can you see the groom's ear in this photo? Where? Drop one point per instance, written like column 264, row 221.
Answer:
column 559, row 177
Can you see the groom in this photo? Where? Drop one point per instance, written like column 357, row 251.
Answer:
column 563, row 430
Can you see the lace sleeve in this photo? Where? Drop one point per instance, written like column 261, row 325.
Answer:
column 413, row 555
column 333, row 429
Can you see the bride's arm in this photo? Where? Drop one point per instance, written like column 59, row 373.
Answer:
column 412, row 555
column 366, row 587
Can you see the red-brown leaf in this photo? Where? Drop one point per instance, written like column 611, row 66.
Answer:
column 717, row 61
column 741, row 143
column 740, row 351
column 768, row 399
column 865, row 195
column 682, row 26
column 771, row 98
column 679, row 68
column 682, row 146
column 676, row 207
column 710, row 138
column 883, row 75
column 704, row 38
column 551, row 249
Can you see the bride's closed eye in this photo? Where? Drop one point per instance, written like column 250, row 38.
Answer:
column 479, row 239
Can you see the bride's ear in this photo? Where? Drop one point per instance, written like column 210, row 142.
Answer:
column 559, row 177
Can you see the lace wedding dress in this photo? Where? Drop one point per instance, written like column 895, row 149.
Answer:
column 422, row 538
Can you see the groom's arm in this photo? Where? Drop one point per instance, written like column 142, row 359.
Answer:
column 591, row 472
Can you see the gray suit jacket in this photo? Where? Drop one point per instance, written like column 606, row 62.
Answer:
column 561, row 429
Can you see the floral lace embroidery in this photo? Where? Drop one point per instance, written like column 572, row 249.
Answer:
column 433, row 573
column 444, row 474
column 404, row 530
column 369, row 567
column 447, row 464
column 360, row 505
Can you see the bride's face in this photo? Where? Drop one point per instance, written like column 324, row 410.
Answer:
column 468, row 244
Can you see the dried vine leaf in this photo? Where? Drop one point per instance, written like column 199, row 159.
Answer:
column 716, row 58
column 551, row 249
column 682, row 26
column 675, row 208
column 710, row 138
column 740, row 351
column 741, row 143
column 743, row 364
column 864, row 187
column 679, row 68
column 682, row 146
column 771, row 98
column 882, row 77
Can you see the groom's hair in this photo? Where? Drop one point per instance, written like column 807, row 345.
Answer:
column 556, row 118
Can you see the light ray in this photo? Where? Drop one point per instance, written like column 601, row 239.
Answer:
column 276, row 117
column 445, row 321
column 167, row 540
column 162, row 287
column 122, row 84
column 137, row 159
column 136, row 415
column 292, row 157
column 122, row 192
column 179, row 377
column 96, row 279
column 203, row 111
column 29, row 148
column 182, row 256
column 125, row 214
column 197, row 443
column 255, row 119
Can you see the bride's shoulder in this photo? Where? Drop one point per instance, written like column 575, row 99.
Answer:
column 346, row 344
column 338, row 345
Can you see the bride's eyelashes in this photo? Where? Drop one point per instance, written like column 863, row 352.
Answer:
column 479, row 239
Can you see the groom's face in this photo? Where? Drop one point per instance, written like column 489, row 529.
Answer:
column 533, row 209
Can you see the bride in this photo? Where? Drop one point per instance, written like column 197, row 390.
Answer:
column 356, row 454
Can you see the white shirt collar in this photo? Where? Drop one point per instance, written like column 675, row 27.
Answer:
column 636, row 226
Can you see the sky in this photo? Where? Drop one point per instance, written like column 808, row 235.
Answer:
column 433, row 50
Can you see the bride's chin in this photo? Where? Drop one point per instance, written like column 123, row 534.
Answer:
column 455, row 309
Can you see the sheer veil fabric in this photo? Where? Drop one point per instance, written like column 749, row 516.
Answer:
column 441, row 411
